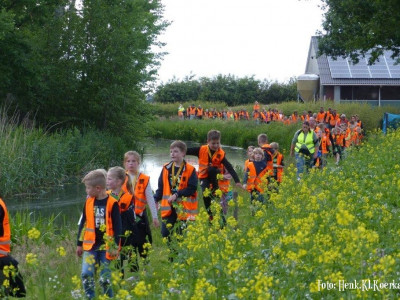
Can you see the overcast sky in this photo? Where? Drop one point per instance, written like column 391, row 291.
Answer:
column 265, row 38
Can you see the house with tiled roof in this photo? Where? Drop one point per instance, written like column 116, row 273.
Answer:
column 340, row 80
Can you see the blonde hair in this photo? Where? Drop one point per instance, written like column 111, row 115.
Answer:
column 134, row 154
column 119, row 173
column 259, row 151
column 96, row 177
column 274, row 145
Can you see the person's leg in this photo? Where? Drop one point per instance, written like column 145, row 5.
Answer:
column 9, row 271
column 299, row 164
column 205, row 184
column 87, row 275
column 167, row 227
column 105, row 273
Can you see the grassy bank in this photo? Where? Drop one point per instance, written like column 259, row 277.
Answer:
column 370, row 115
column 240, row 134
column 32, row 158
column 332, row 226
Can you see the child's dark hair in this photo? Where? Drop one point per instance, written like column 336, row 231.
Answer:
column 213, row 135
column 180, row 145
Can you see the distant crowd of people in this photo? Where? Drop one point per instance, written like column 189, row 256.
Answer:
column 331, row 118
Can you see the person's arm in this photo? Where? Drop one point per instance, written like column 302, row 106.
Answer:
column 316, row 145
column 152, row 205
column 116, row 222
column 246, row 176
column 81, row 224
column 158, row 194
column 228, row 166
column 294, row 141
column 79, row 243
column 193, row 151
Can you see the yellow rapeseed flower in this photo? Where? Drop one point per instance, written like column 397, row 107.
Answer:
column 31, row 259
column 33, row 233
column 61, row 251
column 141, row 289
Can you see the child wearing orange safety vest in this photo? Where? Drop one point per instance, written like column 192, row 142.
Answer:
column 115, row 181
column 177, row 186
column 212, row 160
column 142, row 197
column 256, row 176
column 100, row 226
column 278, row 164
column 8, row 264
column 262, row 141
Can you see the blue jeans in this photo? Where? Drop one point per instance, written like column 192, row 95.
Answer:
column 90, row 260
column 301, row 163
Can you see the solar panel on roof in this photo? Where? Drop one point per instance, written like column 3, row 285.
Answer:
column 384, row 67
column 339, row 68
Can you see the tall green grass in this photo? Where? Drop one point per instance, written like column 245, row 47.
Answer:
column 33, row 158
column 370, row 115
column 240, row 134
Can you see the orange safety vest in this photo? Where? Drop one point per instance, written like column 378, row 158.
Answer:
column 339, row 139
column 286, row 122
column 320, row 117
column 191, row 110
column 139, row 192
column 256, row 107
column 124, row 201
column 200, row 112
column 256, row 115
column 325, row 143
column 254, row 180
column 190, row 209
column 246, row 163
column 277, row 164
column 305, row 118
column 327, row 117
column 333, row 119
column 348, row 137
column 89, row 236
column 294, row 118
column 5, row 240
column 270, row 164
column 205, row 160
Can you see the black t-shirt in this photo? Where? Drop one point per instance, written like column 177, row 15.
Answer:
column 100, row 208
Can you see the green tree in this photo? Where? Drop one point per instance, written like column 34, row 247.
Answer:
column 354, row 27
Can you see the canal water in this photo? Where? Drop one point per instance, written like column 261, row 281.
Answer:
column 68, row 200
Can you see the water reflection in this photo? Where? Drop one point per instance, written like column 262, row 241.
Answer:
column 68, row 200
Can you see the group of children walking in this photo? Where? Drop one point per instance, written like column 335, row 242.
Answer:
column 114, row 224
